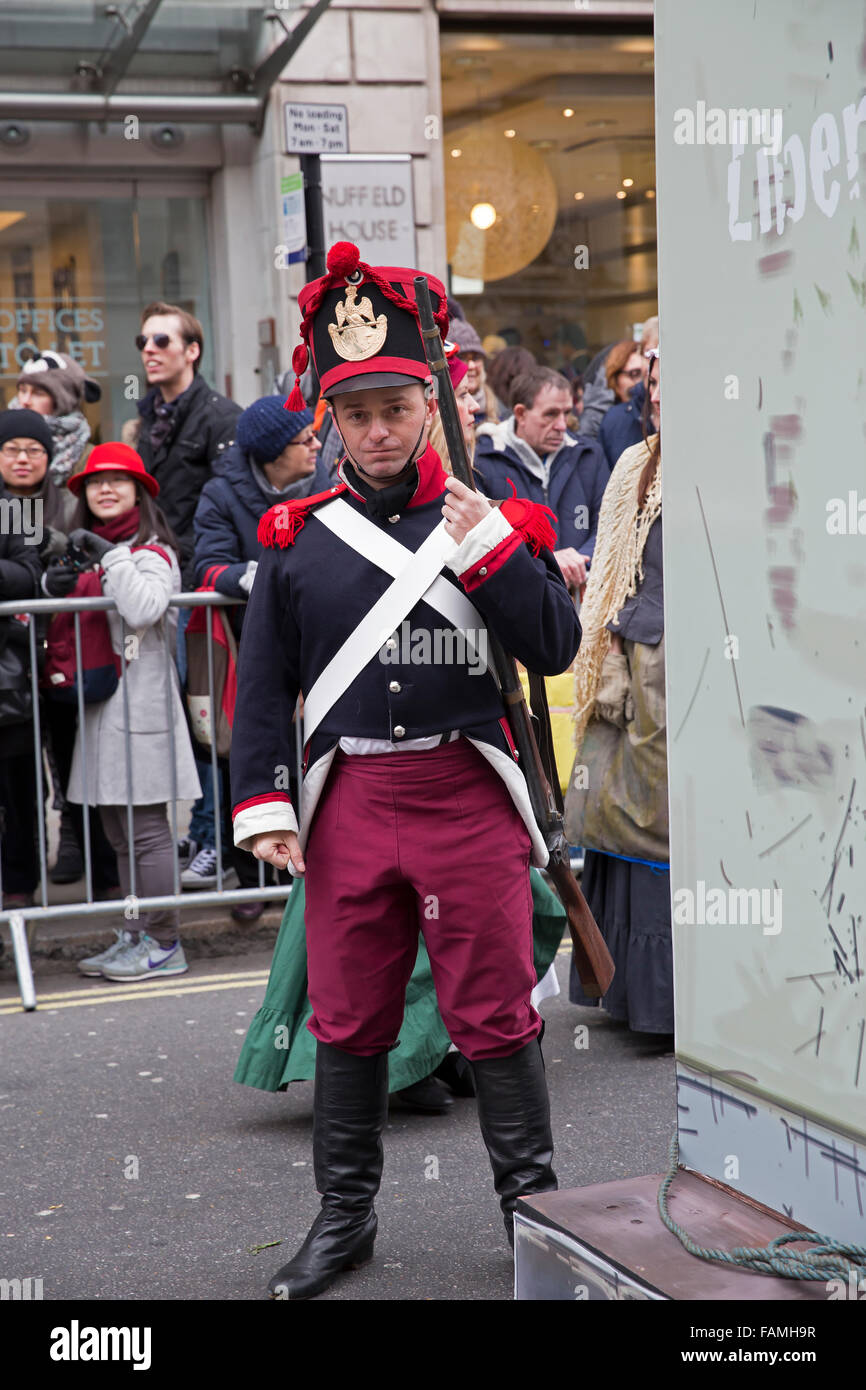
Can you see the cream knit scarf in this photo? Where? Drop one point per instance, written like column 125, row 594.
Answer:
column 616, row 571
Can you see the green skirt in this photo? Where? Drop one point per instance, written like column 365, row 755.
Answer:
column 279, row 1047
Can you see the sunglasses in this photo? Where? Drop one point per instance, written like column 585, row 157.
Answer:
column 303, row 443
column 160, row 340
column 651, row 353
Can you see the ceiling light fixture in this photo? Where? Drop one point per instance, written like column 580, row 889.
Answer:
column 620, row 193
column 627, row 183
column 482, row 216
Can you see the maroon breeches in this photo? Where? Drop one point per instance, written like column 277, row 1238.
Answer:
column 427, row 841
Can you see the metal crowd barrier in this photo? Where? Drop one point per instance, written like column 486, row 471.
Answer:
column 20, row 919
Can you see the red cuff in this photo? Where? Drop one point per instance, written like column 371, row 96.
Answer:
column 490, row 563
column 260, row 801
column 212, row 574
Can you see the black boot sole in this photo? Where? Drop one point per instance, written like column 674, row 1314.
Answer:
column 356, row 1261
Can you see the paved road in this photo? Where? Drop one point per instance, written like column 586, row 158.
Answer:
column 137, row 1169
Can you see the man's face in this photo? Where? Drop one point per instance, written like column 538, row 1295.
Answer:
column 543, row 424
column 380, row 428
column 169, row 363
column 35, row 398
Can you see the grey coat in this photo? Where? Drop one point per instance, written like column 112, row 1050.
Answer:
column 141, row 584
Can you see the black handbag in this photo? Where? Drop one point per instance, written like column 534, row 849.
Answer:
column 16, row 696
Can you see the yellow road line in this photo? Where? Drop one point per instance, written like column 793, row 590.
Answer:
column 145, row 986
column 84, row 998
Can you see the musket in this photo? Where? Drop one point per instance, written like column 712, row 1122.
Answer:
column 591, row 956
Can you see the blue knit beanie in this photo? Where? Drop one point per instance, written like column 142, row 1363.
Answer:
column 266, row 427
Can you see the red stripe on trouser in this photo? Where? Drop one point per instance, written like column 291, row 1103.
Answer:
column 402, row 841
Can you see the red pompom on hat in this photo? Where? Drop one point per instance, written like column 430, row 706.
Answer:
column 113, row 457
column 343, row 259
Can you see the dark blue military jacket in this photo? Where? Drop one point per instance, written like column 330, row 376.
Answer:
column 309, row 596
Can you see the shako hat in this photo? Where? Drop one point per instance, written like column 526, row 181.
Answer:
column 360, row 322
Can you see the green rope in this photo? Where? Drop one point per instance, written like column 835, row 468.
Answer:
column 829, row 1259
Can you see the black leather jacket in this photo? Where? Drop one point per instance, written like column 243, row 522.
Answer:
column 202, row 427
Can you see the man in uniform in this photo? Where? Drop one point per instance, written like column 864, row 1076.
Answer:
column 373, row 599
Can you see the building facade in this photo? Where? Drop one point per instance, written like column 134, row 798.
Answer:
column 141, row 163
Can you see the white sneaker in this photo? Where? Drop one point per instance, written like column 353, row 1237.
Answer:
column 202, row 872
column 146, row 960
column 92, row 965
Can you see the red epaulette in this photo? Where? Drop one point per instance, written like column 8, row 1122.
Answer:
column 531, row 519
column 281, row 524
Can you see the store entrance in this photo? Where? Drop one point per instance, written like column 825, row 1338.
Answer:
column 75, row 273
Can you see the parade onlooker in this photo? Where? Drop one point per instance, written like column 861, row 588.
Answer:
column 533, row 450
column 622, row 426
column 56, row 386
column 274, row 459
column 618, row 808
column 470, row 349
column 185, row 425
column 505, row 368
column 132, row 558
column 25, row 467
column 19, row 578
column 624, row 367
column 577, row 389
column 458, row 370
column 599, row 396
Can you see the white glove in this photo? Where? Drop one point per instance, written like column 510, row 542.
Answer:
column 246, row 579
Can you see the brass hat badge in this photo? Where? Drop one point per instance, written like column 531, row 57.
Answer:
column 357, row 334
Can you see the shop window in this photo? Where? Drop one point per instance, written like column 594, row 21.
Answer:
column 75, row 275
column 550, row 187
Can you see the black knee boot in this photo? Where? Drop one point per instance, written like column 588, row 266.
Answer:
column 350, row 1109
column 514, row 1114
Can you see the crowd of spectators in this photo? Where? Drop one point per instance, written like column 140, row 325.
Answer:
column 174, row 505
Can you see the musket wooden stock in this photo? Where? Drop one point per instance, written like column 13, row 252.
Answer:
column 591, row 956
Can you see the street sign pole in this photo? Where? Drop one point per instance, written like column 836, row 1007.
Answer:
column 311, row 168
column 313, row 129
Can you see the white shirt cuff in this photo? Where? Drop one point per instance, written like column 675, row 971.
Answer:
column 484, row 537
column 268, row 817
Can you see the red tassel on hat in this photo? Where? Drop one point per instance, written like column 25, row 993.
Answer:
column 299, row 362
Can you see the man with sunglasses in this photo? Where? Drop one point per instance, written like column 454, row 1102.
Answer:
column 185, row 425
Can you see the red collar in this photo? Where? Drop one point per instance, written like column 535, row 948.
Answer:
column 431, row 479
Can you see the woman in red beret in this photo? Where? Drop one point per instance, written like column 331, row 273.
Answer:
column 124, row 549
